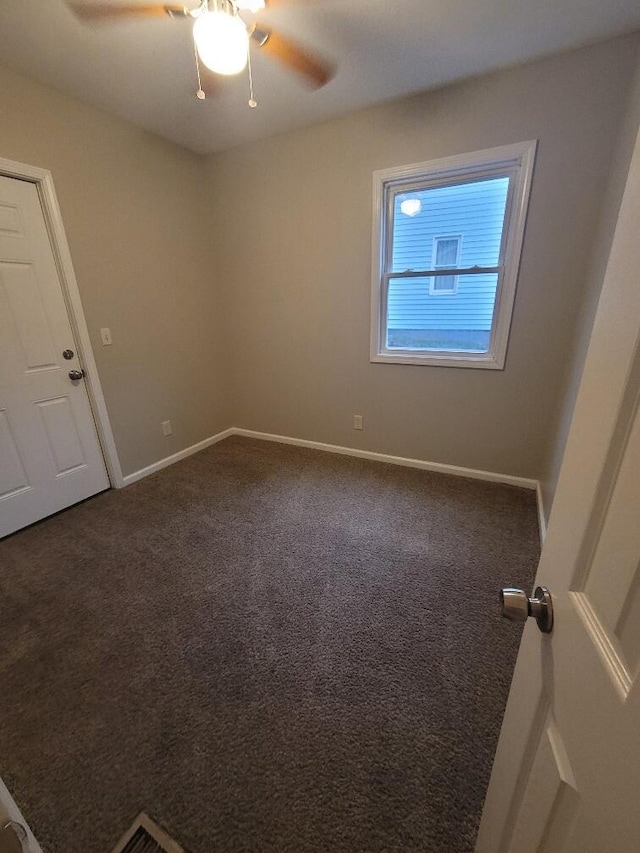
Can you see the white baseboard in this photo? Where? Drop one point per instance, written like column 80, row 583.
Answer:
column 422, row 464
column 176, row 457
column 455, row 470
column 542, row 519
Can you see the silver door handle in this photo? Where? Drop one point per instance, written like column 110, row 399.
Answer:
column 76, row 374
column 517, row 607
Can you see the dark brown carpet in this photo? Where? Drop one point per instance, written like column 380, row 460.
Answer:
column 265, row 648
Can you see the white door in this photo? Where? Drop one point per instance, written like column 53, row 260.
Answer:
column 50, row 456
column 15, row 833
column 566, row 776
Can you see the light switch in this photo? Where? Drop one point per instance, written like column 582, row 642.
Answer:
column 105, row 334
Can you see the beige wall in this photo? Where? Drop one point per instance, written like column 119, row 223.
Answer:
column 292, row 218
column 237, row 286
column 594, row 279
column 132, row 206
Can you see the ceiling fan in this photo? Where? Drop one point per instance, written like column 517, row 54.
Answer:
column 222, row 36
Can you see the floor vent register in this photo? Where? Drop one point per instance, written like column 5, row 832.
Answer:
column 145, row 836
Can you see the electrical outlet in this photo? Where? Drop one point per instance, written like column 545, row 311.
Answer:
column 358, row 422
column 166, row 428
column 105, row 335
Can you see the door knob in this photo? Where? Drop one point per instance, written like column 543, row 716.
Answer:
column 76, row 374
column 517, row 607
column 13, row 837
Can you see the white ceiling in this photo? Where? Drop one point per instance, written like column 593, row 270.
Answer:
column 143, row 70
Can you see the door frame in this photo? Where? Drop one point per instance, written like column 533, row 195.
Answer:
column 43, row 181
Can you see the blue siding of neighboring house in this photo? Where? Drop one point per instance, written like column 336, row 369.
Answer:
column 476, row 212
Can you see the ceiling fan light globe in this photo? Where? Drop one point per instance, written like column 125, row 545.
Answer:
column 222, row 42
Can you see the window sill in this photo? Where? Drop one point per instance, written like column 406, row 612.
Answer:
column 485, row 361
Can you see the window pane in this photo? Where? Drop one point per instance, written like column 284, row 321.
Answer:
column 461, row 321
column 474, row 210
column 444, row 283
column 445, row 256
column 446, row 252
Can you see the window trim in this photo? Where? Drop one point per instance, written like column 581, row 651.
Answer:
column 434, row 257
column 517, row 159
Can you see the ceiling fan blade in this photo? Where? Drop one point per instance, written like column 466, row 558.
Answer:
column 313, row 68
column 108, row 11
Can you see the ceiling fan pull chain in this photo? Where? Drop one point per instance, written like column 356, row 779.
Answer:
column 252, row 101
column 200, row 93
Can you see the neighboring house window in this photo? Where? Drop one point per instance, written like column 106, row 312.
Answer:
column 445, row 256
column 446, row 250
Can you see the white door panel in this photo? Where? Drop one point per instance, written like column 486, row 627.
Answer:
column 619, row 544
column 566, row 775
column 550, row 801
column 13, row 477
column 50, row 456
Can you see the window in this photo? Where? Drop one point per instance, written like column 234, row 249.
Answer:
column 446, row 243
column 445, row 256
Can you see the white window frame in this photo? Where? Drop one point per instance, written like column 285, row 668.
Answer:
column 434, row 256
column 515, row 160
